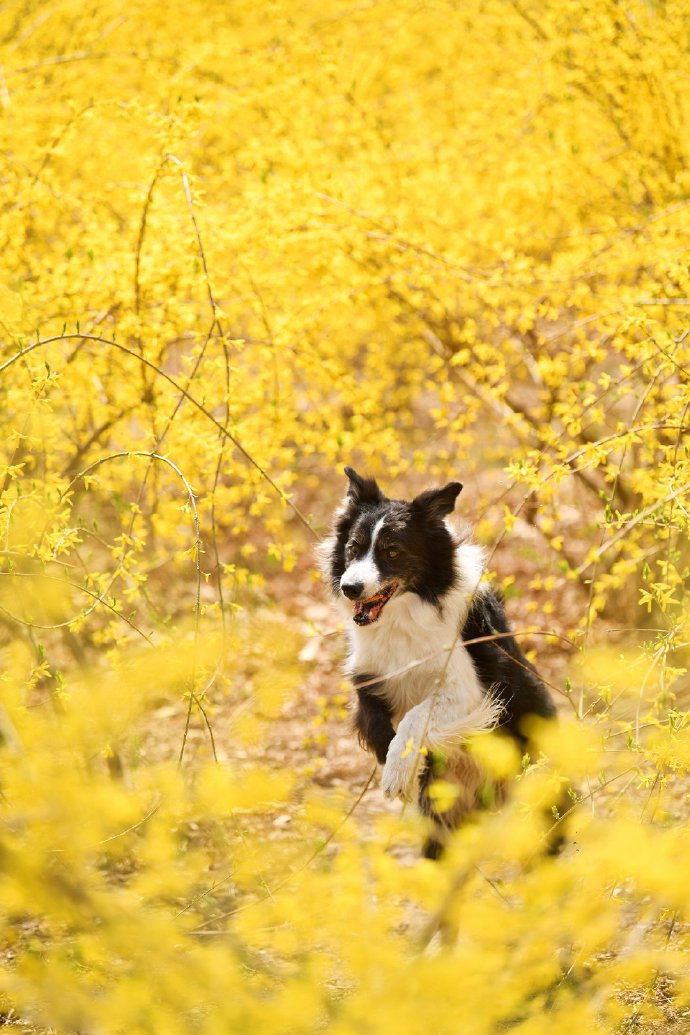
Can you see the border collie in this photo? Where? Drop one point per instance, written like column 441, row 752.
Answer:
column 411, row 587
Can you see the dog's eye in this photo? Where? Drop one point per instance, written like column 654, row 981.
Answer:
column 392, row 553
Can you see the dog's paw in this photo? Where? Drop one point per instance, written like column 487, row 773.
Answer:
column 402, row 763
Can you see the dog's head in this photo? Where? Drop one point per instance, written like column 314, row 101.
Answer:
column 382, row 548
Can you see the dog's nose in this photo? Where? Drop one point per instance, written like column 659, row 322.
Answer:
column 353, row 590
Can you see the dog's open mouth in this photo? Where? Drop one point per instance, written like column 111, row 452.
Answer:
column 368, row 611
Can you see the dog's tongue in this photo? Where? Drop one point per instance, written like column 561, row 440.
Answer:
column 367, row 611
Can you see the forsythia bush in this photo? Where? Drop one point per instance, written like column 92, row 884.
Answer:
column 241, row 245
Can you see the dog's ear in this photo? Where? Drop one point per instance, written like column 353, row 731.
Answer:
column 362, row 490
column 435, row 504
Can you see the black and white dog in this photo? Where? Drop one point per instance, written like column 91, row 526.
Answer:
column 412, row 588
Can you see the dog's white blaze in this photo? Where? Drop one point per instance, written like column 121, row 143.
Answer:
column 366, row 570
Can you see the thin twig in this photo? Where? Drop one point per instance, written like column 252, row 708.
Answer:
column 171, row 380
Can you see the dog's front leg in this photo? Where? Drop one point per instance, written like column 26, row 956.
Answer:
column 443, row 721
column 373, row 716
column 405, row 753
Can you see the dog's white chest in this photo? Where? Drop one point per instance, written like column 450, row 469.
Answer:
column 410, row 650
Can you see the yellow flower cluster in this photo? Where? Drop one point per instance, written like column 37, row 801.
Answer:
column 243, row 244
